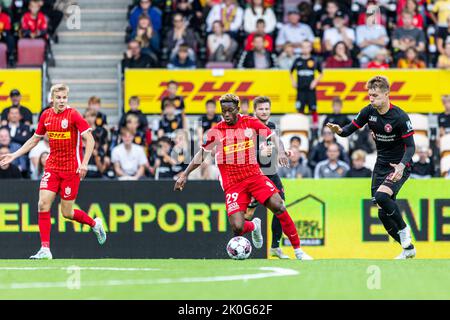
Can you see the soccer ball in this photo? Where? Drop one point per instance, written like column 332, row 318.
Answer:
column 239, row 248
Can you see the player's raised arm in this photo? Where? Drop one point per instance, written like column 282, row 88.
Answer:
column 357, row 123
column 10, row 157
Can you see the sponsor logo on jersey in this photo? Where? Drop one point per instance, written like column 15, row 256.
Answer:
column 373, row 118
column 238, row 147
column 64, row 123
column 388, row 128
column 58, row 135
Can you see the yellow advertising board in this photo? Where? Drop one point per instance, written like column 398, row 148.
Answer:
column 28, row 82
column 414, row 91
column 336, row 219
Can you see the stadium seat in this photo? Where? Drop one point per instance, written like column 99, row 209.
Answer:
column 445, row 145
column 421, row 141
column 343, row 142
column 445, row 165
column 30, row 52
column 3, row 50
column 420, row 123
column 297, row 124
column 219, row 65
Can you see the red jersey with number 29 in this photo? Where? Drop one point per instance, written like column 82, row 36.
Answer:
column 235, row 148
column 64, row 132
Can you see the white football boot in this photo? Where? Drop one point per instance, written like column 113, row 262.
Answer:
column 99, row 231
column 405, row 237
column 43, row 254
column 277, row 252
column 257, row 237
column 301, row 255
column 406, row 254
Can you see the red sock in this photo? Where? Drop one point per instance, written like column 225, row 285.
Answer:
column 248, row 227
column 289, row 229
column 45, row 225
column 315, row 119
column 82, row 217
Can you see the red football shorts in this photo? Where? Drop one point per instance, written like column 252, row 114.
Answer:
column 238, row 196
column 66, row 183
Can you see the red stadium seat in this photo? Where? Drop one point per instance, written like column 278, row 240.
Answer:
column 3, row 50
column 30, row 52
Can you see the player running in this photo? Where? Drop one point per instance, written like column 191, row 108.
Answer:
column 64, row 169
column 267, row 158
column 234, row 140
column 393, row 133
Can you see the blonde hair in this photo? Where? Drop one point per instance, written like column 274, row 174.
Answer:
column 229, row 97
column 58, row 87
column 378, row 82
column 359, row 154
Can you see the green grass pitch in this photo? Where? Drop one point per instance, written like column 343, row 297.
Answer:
column 224, row 279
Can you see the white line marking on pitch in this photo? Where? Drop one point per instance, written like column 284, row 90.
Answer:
column 79, row 268
column 273, row 272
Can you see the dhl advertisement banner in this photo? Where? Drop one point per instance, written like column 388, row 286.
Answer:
column 336, row 219
column 414, row 91
column 28, row 82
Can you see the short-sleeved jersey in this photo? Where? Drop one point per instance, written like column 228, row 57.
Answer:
column 305, row 69
column 389, row 130
column 169, row 126
column 235, row 148
column 64, row 132
column 209, row 123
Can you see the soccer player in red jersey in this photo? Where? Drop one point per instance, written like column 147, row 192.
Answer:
column 64, row 169
column 241, row 178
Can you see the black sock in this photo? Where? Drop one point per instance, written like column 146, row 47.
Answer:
column 277, row 232
column 389, row 225
column 391, row 209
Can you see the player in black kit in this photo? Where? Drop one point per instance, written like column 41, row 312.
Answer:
column 268, row 157
column 393, row 133
column 306, row 81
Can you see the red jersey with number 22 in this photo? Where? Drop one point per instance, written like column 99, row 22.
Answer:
column 64, row 132
column 235, row 148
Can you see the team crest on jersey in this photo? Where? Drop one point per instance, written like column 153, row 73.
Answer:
column 67, row 191
column 248, row 133
column 310, row 63
column 64, row 123
column 388, row 128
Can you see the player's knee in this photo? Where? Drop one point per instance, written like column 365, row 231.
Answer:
column 381, row 198
column 44, row 205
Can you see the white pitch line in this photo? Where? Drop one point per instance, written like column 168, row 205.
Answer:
column 79, row 268
column 274, row 272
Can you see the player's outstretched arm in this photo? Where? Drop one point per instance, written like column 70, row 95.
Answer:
column 343, row 132
column 10, row 157
column 194, row 164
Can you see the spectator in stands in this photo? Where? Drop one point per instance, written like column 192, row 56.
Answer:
column 229, row 13
column 5, row 141
column 260, row 29
column 34, row 23
column 98, row 163
column 372, row 10
column 370, row 38
column 41, row 164
column 337, row 116
column 99, row 132
column 326, row 20
column 19, row 132
column 307, row 14
column 413, row 7
column 145, row 6
column 9, row 171
column 133, row 58
column 178, row 35
column 443, row 37
column 358, row 170
column 95, row 104
column 129, row 159
column 407, row 36
column 6, row 35
column 173, row 96
column 444, row 59
column 297, row 166
column 294, row 32
column 207, row 121
column 338, row 32
column 245, row 107
column 286, row 58
column 258, row 11
column 182, row 60
column 132, row 125
column 133, row 104
column 164, row 162
column 381, row 60
column 35, row 155
column 411, row 60
column 16, row 97
column 362, row 140
column 190, row 10
column 423, row 168
column 170, row 121
column 295, row 142
column 54, row 16
column 147, row 37
column 340, row 57
column 180, row 151
column 221, row 47
column 444, row 118
column 332, row 167
column 318, row 152
column 258, row 58
column 440, row 13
